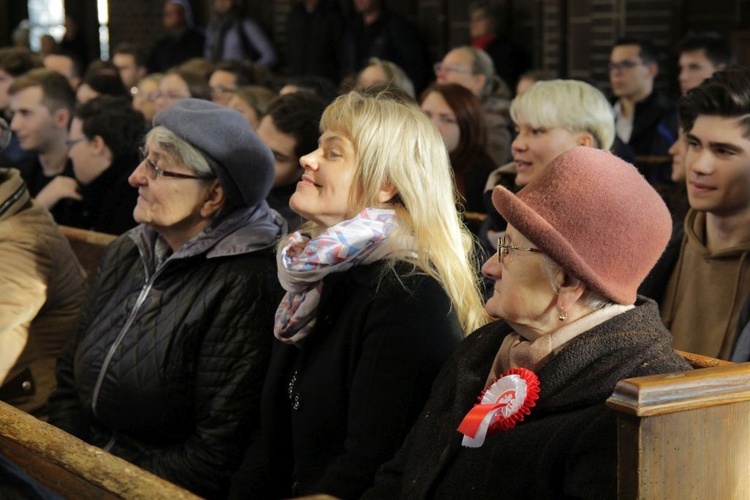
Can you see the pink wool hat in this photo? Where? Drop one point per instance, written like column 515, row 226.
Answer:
column 594, row 215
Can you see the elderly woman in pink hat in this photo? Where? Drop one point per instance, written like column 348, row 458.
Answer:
column 519, row 411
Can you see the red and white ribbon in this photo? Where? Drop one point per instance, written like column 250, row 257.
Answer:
column 502, row 405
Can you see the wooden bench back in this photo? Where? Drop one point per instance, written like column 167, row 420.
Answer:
column 88, row 247
column 71, row 468
column 685, row 435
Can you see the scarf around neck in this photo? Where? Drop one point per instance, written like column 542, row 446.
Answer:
column 303, row 262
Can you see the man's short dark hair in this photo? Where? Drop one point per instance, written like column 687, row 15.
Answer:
column 646, row 50
column 16, row 61
column 115, row 120
column 726, row 94
column 105, row 83
column 245, row 72
column 77, row 65
column 298, row 114
column 139, row 55
column 56, row 89
column 714, row 45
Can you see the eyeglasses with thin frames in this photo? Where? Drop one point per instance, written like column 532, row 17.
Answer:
column 504, row 248
column 447, row 68
column 154, row 171
column 622, row 65
column 72, row 142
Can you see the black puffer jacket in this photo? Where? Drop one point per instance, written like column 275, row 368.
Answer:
column 168, row 361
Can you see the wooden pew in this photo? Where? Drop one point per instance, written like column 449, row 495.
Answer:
column 88, row 247
column 685, row 435
column 71, row 468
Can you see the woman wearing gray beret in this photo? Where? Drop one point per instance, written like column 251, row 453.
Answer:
column 169, row 357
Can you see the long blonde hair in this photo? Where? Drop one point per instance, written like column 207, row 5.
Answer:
column 396, row 143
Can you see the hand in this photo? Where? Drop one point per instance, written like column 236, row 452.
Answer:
column 59, row 188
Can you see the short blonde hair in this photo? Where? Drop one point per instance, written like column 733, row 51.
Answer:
column 395, row 143
column 570, row 104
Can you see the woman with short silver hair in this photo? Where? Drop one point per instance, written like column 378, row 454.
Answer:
column 172, row 347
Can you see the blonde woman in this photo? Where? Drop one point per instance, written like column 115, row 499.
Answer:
column 380, row 291
column 552, row 117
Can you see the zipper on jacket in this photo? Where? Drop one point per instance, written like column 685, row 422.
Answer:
column 138, row 303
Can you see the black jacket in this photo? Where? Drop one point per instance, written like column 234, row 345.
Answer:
column 391, row 38
column 108, row 202
column 168, row 360
column 654, row 132
column 314, row 40
column 340, row 405
column 566, row 447
column 171, row 50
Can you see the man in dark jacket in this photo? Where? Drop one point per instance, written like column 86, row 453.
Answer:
column 314, row 29
column 378, row 32
column 104, row 138
column 645, row 119
column 182, row 41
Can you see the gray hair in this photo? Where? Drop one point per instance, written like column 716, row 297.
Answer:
column 483, row 65
column 590, row 298
column 182, row 151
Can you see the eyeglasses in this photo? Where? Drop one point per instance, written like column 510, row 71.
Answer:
column 72, row 142
column 169, row 96
column 154, row 171
column 447, row 68
column 146, row 96
column 623, row 65
column 217, row 91
column 504, row 248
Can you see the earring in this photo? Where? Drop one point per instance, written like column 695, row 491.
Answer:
column 563, row 315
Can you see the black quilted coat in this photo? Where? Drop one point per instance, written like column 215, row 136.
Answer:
column 168, row 362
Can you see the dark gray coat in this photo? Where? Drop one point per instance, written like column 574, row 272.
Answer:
column 168, row 361
column 566, row 448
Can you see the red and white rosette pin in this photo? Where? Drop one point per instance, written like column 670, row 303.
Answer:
column 501, row 406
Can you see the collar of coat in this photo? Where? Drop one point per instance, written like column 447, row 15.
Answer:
column 243, row 231
column 13, row 193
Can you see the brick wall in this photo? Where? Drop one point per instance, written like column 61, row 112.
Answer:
column 572, row 37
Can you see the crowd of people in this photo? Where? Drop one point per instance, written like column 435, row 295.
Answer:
column 324, row 282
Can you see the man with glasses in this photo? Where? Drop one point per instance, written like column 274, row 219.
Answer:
column 42, row 101
column 103, row 146
column 645, row 119
column 473, row 69
column 228, row 76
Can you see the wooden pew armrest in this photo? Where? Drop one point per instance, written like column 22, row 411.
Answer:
column 70, row 467
column 672, row 392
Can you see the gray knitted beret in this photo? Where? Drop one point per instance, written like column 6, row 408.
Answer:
column 244, row 164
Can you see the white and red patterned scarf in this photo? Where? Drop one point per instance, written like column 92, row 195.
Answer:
column 304, row 262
